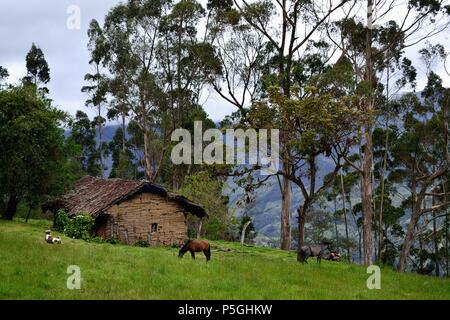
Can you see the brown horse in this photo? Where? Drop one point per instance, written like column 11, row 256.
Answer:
column 196, row 246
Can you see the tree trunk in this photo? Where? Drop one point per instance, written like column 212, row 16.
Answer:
column 366, row 179
column 335, row 222
column 382, row 187
column 435, row 241
column 244, row 229
column 406, row 248
column 199, row 230
column 124, row 135
column 11, row 208
column 100, row 141
column 345, row 217
column 28, row 215
column 360, row 246
column 366, row 199
column 147, row 161
column 285, row 232
column 446, row 225
column 446, row 245
column 301, row 228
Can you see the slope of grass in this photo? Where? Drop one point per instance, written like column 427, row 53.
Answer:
column 32, row 269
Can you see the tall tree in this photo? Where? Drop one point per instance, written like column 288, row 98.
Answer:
column 422, row 153
column 97, row 87
column 316, row 126
column 3, row 73
column 83, row 134
column 38, row 71
column 365, row 46
column 32, row 150
column 130, row 33
column 122, row 157
column 285, row 41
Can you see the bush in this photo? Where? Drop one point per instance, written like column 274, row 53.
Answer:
column 61, row 220
column 96, row 240
column 79, row 227
column 112, row 241
column 142, row 244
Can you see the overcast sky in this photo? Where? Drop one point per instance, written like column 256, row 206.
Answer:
column 44, row 22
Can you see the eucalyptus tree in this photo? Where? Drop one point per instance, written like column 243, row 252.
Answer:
column 129, row 36
column 3, row 73
column 369, row 46
column 318, row 126
column 282, row 30
column 83, row 134
column 122, row 156
column 97, row 84
column 422, row 153
column 38, row 71
column 186, row 65
column 241, row 51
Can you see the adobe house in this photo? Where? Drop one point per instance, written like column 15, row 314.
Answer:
column 130, row 210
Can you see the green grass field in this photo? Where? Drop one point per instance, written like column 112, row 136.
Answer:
column 32, row 269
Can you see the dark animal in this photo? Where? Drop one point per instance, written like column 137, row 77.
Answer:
column 318, row 251
column 332, row 256
column 194, row 246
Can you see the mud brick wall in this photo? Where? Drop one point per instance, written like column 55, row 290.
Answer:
column 133, row 220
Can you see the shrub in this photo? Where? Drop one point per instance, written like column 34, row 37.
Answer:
column 61, row 220
column 96, row 240
column 112, row 241
column 79, row 227
column 141, row 243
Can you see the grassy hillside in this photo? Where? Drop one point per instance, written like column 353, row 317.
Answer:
column 32, row 269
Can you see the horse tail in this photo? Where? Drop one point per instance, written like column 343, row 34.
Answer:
column 303, row 255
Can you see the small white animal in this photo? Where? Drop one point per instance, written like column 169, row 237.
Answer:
column 50, row 239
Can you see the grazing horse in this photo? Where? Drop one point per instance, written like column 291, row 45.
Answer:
column 196, row 246
column 314, row 251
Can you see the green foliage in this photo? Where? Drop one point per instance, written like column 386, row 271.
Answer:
column 98, row 240
column 142, row 244
column 206, row 190
column 319, row 227
column 83, row 134
column 35, row 160
column 3, row 73
column 61, row 220
column 79, row 227
column 37, row 67
column 122, row 157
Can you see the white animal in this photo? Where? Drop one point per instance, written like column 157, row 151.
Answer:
column 50, row 239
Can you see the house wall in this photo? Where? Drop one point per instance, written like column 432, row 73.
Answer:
column 132, row 220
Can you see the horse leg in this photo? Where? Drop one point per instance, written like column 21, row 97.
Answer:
column 319, row 256
column 193, row 255
column 207, row 253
